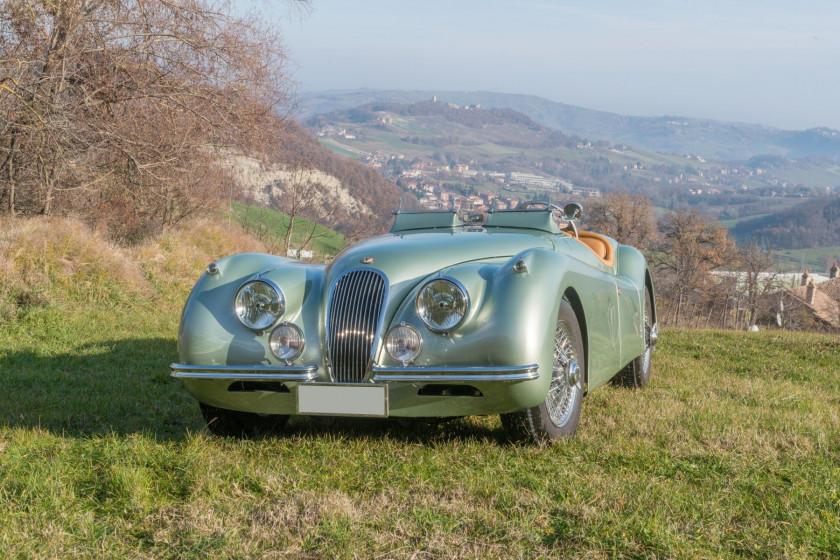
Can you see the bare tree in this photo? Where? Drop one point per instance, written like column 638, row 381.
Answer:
column 691, row 247
column 115, row 108
column 626, row 217
column 301, row 196
column 757, row 277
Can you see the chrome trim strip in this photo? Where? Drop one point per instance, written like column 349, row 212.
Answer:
column 245, row 373
column 400, row 211
column 450, row 374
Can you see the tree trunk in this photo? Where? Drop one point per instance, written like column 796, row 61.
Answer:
column 679, row 308
column 11, row 188
column 289, row 234
column 47, row 208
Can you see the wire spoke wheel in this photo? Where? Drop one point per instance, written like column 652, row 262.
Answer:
column 562, row 392
column 557, row 417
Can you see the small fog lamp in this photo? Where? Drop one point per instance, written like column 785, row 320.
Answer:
column 403, row 343
column 286, row 342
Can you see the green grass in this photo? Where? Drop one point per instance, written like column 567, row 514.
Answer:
column 815, row 259
column 729, row 224
column 271, row 226
column 334, row 146
column 731, row 452
column 414, row 128
column 810, row 174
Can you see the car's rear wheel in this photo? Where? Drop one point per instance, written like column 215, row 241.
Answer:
column 559, row 414
column 637, row 373
column 233, row 423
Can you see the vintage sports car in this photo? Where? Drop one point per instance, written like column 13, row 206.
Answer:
column 440, row 317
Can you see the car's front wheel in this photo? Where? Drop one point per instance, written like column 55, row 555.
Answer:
column 559, row 414
column 233, row 423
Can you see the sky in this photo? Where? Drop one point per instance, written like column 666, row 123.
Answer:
column 769, row 62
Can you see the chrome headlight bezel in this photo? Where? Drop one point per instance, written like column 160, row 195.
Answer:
column 278, row 302
column 422, row 313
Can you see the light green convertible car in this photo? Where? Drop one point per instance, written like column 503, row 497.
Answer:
column 440, row 317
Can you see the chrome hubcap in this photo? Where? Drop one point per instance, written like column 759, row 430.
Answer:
column 566, row 376
column 573, row 375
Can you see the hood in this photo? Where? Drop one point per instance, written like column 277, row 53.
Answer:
column 414, row 255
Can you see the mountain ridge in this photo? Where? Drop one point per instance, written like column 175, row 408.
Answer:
column 708, row 138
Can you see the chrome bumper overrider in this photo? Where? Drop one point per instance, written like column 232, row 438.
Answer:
column 245, row 373
column 455, row 374
column 380, row 374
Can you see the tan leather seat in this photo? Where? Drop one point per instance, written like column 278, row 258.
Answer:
column 599, row 245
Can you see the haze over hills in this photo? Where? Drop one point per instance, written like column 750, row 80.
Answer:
column 443, row 152
column 707, row 138
column 813, row 223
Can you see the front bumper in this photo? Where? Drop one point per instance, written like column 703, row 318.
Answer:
column 455, row 374
column 502, row 388
column 245, row 373
column 424, row 375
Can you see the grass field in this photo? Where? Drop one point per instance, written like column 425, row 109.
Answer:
column 733, row 451
column 729, row 224
column 334, row 146
column 815, row 259
column 271, row 226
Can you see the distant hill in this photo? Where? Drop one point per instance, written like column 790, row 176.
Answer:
column 707, row 138
column 463, row 149
column 814, row 223
column 378, row 196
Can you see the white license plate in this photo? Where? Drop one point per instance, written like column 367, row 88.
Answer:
column 343, row 400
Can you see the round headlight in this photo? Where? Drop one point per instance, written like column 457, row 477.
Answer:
column 286, row 342
column 442, row 304
column 258, row 304
column 403, row 343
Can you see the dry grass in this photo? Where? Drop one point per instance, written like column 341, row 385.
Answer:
column 178, row 257
column 42, row 259
column 45, row 261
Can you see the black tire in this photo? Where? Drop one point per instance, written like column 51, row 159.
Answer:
column 558, row 416
column 636, row 374
column 233, row 423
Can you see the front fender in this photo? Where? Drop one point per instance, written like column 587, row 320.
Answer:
column 211, row 334
column 510, row 321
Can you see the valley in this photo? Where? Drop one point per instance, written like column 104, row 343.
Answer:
column 472, row 158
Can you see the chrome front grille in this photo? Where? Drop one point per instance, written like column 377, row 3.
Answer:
column 353, row 316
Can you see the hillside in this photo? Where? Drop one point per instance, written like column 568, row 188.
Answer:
column 363, row 200
column 814, row 223
column 467, row 150
column 707, row 138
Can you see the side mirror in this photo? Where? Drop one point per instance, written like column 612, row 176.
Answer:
column 572, row 211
